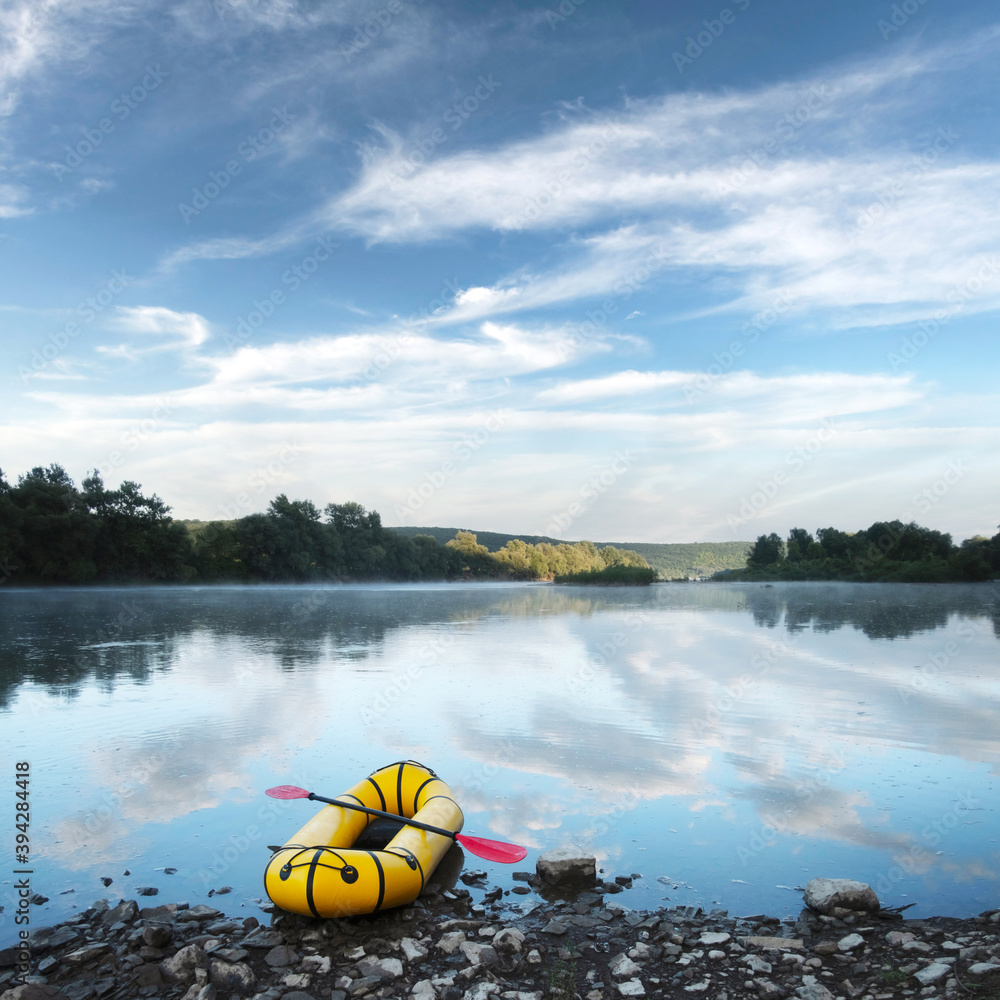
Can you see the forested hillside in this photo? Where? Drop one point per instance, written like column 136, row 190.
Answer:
column 672, row 560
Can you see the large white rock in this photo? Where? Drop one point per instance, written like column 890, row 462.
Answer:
column 933, row 972
column 567, row 864
column 633, row 988
column 823, row 894
column 621, row 966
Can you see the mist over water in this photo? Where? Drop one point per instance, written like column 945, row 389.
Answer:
column 726, row 742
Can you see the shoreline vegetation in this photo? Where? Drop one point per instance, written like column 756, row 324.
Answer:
column 887, row 552
column 53, row 533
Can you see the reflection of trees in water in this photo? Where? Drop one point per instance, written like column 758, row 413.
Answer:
column 880, row 612
column 60, row 639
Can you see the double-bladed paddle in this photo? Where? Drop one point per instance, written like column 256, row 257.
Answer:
column 491, row 850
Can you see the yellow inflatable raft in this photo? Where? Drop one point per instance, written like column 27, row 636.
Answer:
column 318, row 873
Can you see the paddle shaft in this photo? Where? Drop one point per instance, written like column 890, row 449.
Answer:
column 386, row 815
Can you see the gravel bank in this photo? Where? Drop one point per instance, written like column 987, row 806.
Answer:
column 448, row 947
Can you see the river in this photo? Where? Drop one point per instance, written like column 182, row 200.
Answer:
column 726, row 742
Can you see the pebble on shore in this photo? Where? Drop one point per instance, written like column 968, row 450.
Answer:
column 445, row 946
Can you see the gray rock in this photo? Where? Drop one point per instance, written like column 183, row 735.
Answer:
column 180, row 967
column 451, row 941
column 261, row 937
column 567, row 864
column 813, row 989
column 850, row 942
column 412, row 949
column 768, row 990
column 88, row 953
column 359, row 987
column 221, row 927
column 479, row 954
column 387, row 969
column 157, row 935
column 235, row 976
column 983, row 968
column 199, row 912
column 35, row 991
column 52, row 938
column 298, row 995
column 756, row 964
column 281, row 956
column 897, row 938
column 125, row 911
column 824, row 894
column 201, row 991
column 713, row 937
column 932, row 973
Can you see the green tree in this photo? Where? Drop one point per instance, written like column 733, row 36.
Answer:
column 799, row 542
column 57, row 530
column 136, row 538
column 768, row 550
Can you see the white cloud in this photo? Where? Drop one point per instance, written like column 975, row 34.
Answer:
column 181, row 331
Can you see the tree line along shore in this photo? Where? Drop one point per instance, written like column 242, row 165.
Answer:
column 886, row 552
column 53, row 532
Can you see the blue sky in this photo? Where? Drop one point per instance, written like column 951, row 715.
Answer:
column 644, row 271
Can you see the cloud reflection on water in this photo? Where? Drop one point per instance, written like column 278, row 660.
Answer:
column 687, row 718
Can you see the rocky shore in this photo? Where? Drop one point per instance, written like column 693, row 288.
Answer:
column 448, row 946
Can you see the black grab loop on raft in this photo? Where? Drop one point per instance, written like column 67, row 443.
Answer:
column 347, row 872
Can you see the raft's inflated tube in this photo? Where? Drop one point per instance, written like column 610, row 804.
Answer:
column 318, row 873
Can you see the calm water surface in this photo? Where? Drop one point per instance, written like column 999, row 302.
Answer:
column 726, row 742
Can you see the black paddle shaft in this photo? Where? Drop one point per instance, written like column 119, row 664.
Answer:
column 385, row 815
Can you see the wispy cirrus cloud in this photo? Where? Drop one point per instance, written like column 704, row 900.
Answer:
column 750, row 189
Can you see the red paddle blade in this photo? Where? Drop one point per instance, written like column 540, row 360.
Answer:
column 492, row 850
column 287, row 792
